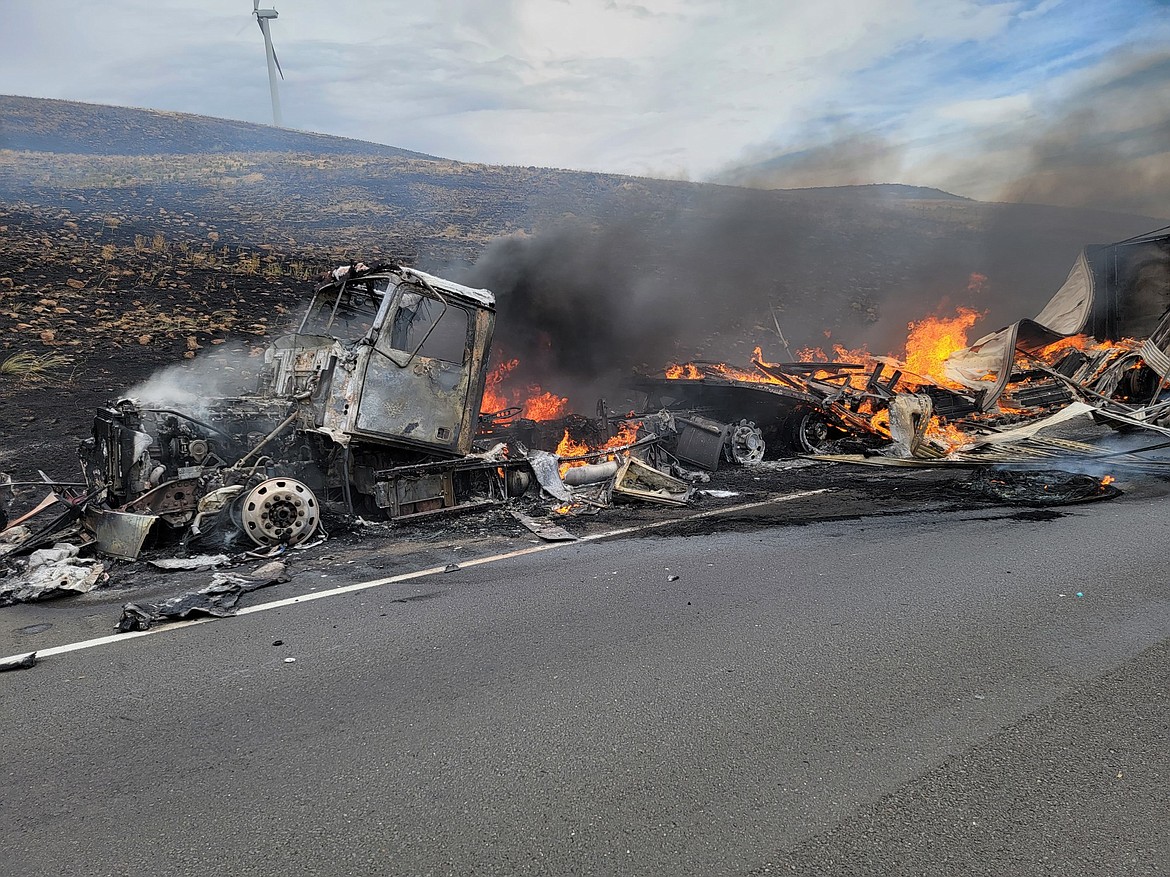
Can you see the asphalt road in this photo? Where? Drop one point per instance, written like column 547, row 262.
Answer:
column 921, row 694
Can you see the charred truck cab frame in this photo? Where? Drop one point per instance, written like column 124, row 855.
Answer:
column 392, row 357
column 386, row 370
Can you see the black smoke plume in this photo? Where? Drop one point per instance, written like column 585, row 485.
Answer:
column 655, row 281
column 584, row 304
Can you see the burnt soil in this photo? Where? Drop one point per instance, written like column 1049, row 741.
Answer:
column 112, row 308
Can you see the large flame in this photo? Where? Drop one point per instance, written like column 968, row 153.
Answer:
column 570, row 447
column 543, row 405
column 928, row 344
column 933, row 339
column 493, row 397
column 534, row 402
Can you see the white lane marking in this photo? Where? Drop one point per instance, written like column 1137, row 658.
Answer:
column 408, row 576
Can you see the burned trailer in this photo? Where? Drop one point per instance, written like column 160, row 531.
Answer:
column 723, row 413
column 369, row 405
column 737, row 416
column 1116, row 294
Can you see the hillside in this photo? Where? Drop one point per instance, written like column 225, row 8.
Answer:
column 36, row 124
column 131, row 238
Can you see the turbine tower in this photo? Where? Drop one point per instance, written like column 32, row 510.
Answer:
column 263, row 16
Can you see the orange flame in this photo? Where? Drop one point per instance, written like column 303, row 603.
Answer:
column 544, row 406
column 929, row 344
column 933, row 339
column 840, row 354
column 930, row 341
column 1073, row 342
column 688, row 371
column 946, row 434
column 570, row 447
column 493, row 398
column 538, row 404
column 738, row 374
column 1107, row 480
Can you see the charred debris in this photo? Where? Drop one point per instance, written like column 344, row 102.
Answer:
column 371, row 408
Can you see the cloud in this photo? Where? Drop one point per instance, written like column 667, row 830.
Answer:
column 680, row 88
column 1076, row 122
column 987, row 112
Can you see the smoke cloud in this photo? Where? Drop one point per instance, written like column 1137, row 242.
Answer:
column 851, row 158
column 1105, row 146
column 228, row 370
column 1098, row 140
column 584, row 304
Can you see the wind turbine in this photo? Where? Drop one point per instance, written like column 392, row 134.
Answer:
column 263, row 16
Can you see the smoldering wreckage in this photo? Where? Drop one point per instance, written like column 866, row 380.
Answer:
column 383, row 404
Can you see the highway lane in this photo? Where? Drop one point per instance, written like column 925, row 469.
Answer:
column 876, row 696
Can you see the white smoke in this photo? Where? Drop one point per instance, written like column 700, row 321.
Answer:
column 229, row 370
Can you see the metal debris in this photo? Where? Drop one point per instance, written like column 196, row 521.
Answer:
column 591, row 473
column 1041, row 488
column 14, row 536
column 546, row 530
column 119, row 534
column 43, row 527
column 909, row 417
column 18, row 662
column 52, row 572
column 219, row 599
column 545, row 467
column 199, row 562
column 636, row 480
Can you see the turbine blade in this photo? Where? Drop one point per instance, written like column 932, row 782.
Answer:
column 277, row 60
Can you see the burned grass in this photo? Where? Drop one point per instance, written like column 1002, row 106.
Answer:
column 95, row 308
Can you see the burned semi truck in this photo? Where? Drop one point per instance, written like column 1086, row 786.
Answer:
column 372, row 403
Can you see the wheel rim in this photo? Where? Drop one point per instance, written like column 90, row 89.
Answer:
column 279, row 511
column 747, row 444
column 814, row 433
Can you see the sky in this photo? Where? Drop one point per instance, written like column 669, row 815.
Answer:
column 986, row 99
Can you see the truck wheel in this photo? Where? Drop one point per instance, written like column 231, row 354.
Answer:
column 811, row 433
column 745, row 444
column 279, row 510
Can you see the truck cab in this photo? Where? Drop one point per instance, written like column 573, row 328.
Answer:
column 386, row 369
column 389, row 356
